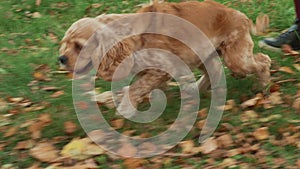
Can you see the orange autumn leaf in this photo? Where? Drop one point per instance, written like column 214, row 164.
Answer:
column 286, row 70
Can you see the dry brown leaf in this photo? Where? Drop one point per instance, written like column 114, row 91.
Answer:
column 286, row 69
column 187, row 146
column 49, row 88
column 22, row 145
column 233, row 152
column 15, row 99
column 35, row 129
column 250, row 103
column 296, row 104
column 249, row 115
column 97, row 135
column 10, row 132
column 53, row 37
column 127, row 150
column 225, row 141
column 261, row 133
column 117, row 124
column 202, row 113
column 147, row 148
column 44, row 152
column 297, row 66
column 40, row 76
column 298, row 163
column 209, row 146
column 275, row 98
column 57, row 94
column 288, row 50
column 274, row 88
column 38, row 2
column 45, row 119
column 70, row 127
column 82, row 105
column 228, row 162
column 133, row 163
column 36, row 15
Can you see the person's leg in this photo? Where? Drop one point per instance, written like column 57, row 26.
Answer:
column 290, row 37
column 297, row 8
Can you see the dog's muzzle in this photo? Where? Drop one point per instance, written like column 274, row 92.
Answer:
column 63, row 60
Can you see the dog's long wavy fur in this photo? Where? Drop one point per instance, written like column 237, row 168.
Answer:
column 226, row 28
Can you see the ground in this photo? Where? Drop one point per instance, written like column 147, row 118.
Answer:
column 38, row 120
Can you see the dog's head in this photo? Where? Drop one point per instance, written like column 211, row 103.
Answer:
column 77, row 36
column 74, row 40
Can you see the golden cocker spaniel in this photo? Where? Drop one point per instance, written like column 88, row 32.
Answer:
column 226, row 28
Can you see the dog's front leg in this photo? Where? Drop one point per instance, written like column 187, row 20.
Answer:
column 140, row 90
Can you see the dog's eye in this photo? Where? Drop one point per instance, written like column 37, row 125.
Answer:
column 78, row 46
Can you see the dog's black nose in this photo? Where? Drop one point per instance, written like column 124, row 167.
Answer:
column 63, row 59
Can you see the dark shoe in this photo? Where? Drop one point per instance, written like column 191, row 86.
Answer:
column 290, row 37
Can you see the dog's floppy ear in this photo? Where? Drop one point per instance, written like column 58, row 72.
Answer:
column 119, row 57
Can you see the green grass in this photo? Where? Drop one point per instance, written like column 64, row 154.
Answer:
column 25, row 43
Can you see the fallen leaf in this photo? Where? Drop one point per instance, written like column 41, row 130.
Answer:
column 15, row 99
column 227, row 162
column 97, row 135
column 93, row 150
column 209, row 146
column 49, row 88
column 249, row 116
column 225, row 141
column 274, row 88
column 3, row 105
column 261, row 133
column 288, row 50
column 38, row 2
column 286, row 70
column 82, row 105
column 44, row 152
column 81, row 149
column 275, row 98
column 39, row 76
column 10, row 132
column 57, row 94
column 36, row 15
column 75, row 149
column 127, row 150
column 22, row 145
column 187, row 146
column 249, row 103
column 296, row 104
column 70, row 127
column 45, row 119
column 117, row 124
column 133, row 163
column 53, row 37
column 297, row 66
column 147, row 148
column 271, row 117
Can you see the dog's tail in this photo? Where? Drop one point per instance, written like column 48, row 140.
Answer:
column 261, row 25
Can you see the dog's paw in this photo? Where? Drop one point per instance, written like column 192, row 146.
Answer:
column 105, row 98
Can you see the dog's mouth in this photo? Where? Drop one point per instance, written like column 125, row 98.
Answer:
column 81, row 68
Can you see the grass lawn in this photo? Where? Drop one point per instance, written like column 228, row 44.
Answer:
column 30, row 36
